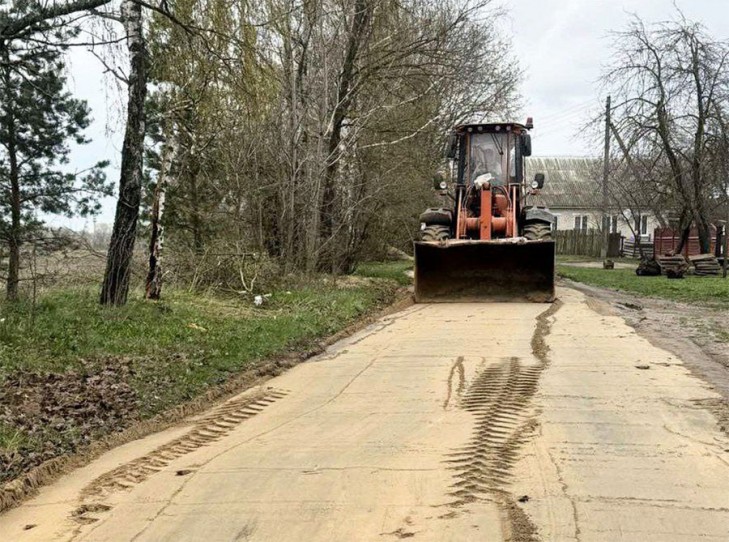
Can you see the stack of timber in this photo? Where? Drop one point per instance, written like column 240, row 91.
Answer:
column 631, row 249
column 705, row 264
column 648, row 268
column 674, row 267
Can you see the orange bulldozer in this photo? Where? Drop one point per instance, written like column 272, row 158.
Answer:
column 488, row 245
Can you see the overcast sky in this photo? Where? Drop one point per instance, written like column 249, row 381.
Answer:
column 560, row 44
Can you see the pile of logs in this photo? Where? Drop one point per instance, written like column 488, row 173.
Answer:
column 705, row 265
column 674, row 267
column 648, row 268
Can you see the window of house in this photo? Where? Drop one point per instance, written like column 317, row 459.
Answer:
column 555, row 222
column 643, row 225
column 581, row 222
column 610, row 223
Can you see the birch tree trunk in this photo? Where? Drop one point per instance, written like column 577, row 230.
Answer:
column 115, row 287
column 153, row 287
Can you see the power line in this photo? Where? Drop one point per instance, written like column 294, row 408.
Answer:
column 568, row 111
column 560, row 119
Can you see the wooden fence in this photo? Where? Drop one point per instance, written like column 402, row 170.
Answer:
column 585, row 243
column 667, row 239
column 578, row 242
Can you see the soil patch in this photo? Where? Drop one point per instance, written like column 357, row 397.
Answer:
column 57, row 413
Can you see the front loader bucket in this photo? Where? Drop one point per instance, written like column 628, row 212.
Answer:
column 484, row 271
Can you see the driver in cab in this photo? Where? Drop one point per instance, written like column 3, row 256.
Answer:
column 485, row 161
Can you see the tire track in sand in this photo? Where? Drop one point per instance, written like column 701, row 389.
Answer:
column 206, row 430
column 500, row 398
column 456, row 368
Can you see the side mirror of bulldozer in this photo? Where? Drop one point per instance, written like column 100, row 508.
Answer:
column 538, row 181
column 526, row 145
column 440, row 182
column 452, row 146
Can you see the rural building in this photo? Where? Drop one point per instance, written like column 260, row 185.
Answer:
column 572, row 191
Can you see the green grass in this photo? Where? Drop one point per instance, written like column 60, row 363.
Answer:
column 11, row 439
column 183, row 344
column 567, row 258
column 561, row 258
column 711, row 290
column 394, row 270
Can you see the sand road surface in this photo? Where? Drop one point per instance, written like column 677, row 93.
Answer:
column 450, row 422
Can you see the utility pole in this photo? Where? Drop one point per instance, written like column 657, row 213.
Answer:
column 725, row 261
column 605, row 173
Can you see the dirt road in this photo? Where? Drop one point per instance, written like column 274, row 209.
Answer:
column 442, row 423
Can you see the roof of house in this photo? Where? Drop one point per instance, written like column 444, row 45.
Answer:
column 570, row 182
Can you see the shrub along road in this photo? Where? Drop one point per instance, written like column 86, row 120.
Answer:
column 441, row 422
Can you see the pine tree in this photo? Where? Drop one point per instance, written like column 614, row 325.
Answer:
column 39, row 119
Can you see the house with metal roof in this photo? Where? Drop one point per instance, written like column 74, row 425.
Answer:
column 573, row 193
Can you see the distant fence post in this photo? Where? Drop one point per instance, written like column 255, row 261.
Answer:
column 614, row 245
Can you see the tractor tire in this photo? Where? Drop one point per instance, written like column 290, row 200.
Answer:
column 538, row 231
column 437, row 216
column 435, row 232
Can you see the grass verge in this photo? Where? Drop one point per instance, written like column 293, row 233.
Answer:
column 567, row 258
column 72, row 372
column 393, row 270
column 692, row 289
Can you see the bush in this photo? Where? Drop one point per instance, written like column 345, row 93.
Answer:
column 225, row 267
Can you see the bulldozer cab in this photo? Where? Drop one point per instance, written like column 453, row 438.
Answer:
column 490, row 149
column 490, row 154
column 488, row 245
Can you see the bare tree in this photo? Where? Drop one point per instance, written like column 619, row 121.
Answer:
column 669, row 80
column 347, row 71
column 310, row 129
